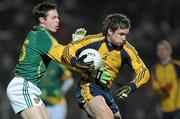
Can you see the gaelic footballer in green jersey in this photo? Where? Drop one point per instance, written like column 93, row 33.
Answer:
column 38, row 48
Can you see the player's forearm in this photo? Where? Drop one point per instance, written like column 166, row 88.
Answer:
column 68, row 62
column 68, row 57
column 56, row 53
column 142, row 77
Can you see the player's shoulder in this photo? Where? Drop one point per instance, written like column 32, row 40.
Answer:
column 95, row 37
column 40, row 33
column 129, row 45
column 129, row 48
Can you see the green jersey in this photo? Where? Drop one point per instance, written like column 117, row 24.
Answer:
column 50, row 84
column 38, row 47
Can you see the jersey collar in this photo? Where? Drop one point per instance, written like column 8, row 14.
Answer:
column 39, row 28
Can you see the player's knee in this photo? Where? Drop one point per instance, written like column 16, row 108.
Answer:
column 104, row 114
column 107, row 115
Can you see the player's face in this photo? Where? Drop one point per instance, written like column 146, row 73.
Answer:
column 163, row 52
column 52, row 21
column 118, row 37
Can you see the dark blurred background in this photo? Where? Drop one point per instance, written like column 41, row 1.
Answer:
column 151, row 20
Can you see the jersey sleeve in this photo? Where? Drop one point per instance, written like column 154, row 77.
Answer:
column 70, row 53
column 132, row 58
column 46, row 44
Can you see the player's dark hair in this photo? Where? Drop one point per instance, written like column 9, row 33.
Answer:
column 114, row 21
column 42, row 9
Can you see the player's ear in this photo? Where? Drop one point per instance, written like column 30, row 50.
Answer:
column 41, row 20
column 110, row 32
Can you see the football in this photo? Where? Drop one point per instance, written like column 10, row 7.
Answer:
column 92, row 55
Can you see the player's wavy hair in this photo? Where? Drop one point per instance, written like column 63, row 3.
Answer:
column 42, row 9
column 114, row 21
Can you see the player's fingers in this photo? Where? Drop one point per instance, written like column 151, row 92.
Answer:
column 83, row 57
column 79, row 31
column 90, row 63
column 106, row 78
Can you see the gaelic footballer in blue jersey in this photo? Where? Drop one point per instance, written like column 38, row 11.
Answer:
column 93, row 93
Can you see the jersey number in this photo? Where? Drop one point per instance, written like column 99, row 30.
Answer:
column 23, row 50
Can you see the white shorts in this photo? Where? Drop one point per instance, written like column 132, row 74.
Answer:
column 23, row 94
column 57, row 111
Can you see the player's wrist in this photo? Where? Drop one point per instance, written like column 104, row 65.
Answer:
column 73, row 61
column 133, row 86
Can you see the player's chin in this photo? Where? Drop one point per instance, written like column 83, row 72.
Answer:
column 122, row 43
column 119, row 44
column 54, row 30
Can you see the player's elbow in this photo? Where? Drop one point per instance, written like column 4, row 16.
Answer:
column 144, row 79
column 147, row 75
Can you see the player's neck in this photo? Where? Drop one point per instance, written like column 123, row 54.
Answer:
column 109, row 39
column 166, row 60
column 42, row 25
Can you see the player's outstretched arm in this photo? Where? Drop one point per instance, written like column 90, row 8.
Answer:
column 69, row 57
column 79, row 34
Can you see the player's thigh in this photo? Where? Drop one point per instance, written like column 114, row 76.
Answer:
column 97, row 108
column 36, row 112
column 117, row 115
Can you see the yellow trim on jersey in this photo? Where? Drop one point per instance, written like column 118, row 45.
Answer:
column 86, row 93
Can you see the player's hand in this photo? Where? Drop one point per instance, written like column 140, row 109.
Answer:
column 102, row 76
column 87, row 66
column 164, row 94
column 79, row 34
column 123, row 92
column 168, row 87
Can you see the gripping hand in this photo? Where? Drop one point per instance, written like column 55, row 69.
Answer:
column 79, row 34
column 123, row 92
column 102, row 76
column 87, row 66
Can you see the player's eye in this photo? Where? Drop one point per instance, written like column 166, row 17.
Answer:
column 55, row 17
column 121, row 34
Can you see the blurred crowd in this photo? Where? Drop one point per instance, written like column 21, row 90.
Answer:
column 151, row 20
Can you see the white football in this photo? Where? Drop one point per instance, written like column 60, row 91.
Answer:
column 92, row 55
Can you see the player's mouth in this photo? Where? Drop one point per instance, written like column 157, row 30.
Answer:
column 57, row 27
